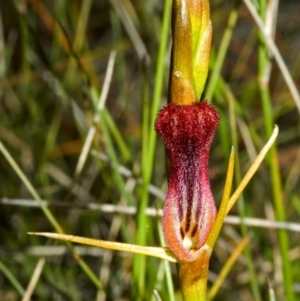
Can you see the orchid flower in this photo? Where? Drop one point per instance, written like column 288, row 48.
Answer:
column 191, row 223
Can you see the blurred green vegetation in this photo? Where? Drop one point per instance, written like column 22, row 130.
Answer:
column 53, row 63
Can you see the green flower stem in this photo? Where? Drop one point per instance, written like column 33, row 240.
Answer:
column 182, row 85
column 193, row 276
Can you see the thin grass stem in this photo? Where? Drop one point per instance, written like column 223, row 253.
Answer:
column 47, row 212
column 12, row 279
column 226, row 268
column 277, row 192
column 222, row 50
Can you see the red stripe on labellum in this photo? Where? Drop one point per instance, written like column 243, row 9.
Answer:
column 189, row 211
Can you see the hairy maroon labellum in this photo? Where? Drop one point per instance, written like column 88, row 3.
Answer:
column 189, row 211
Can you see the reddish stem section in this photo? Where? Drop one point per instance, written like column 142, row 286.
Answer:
column 189, row 210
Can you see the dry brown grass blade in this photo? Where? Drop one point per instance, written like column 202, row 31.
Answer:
column 50, row 22
column 159, row 252
column 34, row 279
column 277, row 55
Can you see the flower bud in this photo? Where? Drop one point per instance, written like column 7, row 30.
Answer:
column 191, row 32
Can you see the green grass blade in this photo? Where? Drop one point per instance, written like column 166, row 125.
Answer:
column 217, row 66
column 12, row 279
column 47, row 212
column 148, row 151
column 273, row 163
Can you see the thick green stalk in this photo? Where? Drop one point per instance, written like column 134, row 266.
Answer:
column 193, row 276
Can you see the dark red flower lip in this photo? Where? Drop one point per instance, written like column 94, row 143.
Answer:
column 189, row 211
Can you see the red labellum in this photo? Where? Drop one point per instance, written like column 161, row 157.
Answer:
column 189, row 211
